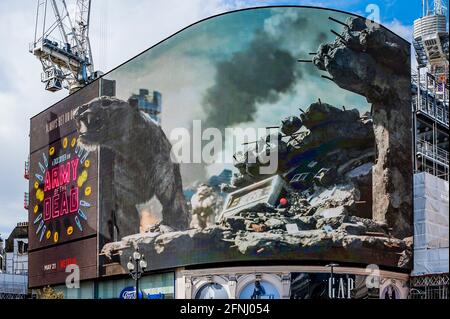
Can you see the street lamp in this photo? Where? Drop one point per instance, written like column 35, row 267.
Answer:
column 136, row 266
column 330, row 286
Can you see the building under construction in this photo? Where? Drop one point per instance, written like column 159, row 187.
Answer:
column 430, row 90
column 14, row 264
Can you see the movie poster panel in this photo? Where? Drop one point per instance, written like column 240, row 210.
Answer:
column 264, row 134
column 63, row 189
column 63, row 177
column 63, row 194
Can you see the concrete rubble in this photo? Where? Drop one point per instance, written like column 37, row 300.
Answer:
column 371, row 61
column 322, row 217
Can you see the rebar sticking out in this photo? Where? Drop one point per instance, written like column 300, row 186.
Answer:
column 327, row 77
column 340, row 22
column 339, row 36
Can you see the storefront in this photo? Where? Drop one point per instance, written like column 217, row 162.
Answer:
column 290, row 282
column 159, row 286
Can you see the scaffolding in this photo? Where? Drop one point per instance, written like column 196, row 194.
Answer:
column 432, row 159
column 13, row 286
column 430, row 104
column 431, row 97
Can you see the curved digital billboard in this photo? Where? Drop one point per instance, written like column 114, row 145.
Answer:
column 276, row 133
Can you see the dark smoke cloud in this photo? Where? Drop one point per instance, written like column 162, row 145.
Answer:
column 257, row 75
column 262, row 72
column 321, row 38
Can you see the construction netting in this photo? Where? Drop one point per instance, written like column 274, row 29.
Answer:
column 431, row 232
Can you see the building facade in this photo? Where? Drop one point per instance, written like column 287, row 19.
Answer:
column 14, row 262
column 430, row 84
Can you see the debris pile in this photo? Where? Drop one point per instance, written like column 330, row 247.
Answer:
column 369, row 60
column 326, row 207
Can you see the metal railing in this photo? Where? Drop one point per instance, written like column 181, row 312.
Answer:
column 440, row 292
column 434, row 95
column 432, row 152
column 436, row 109
column 13, row 288
column 432, row 159
column 429, row 287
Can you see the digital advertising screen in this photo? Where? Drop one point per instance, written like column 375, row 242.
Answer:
column 267, row 134
column 264, row 134
column 63, row 188
column 69, row 262
column 64, row 193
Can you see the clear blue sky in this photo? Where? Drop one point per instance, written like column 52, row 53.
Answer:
column 406, row 11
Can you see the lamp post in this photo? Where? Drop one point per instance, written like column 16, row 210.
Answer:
column 330, row 286
column 136, row 266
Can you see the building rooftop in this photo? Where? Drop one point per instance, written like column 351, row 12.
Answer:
column 20, row 231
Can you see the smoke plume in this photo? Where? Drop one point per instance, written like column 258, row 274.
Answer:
column 256, row 75
column 263, row 71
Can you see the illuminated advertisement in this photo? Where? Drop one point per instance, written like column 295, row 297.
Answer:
column 63, row 177
column 258, row 135
column 345, row 286
column 63, row 193
column 267, row 134
column 259, row 290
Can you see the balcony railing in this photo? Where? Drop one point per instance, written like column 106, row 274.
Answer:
column 433, row 108
column 432, row 159
column 432, row 152
column 429, row 287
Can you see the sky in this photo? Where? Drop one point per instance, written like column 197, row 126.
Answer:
column 119, row 30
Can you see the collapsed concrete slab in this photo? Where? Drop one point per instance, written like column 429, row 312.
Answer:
column 371, row 61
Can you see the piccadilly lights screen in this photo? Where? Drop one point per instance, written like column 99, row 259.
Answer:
column 62, row 191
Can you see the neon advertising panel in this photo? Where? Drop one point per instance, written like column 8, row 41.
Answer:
column 63, row 198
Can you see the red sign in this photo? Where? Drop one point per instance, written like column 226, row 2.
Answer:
column 64, row 199
column 63, row 192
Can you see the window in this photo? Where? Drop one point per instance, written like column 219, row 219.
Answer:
column 22, row 247
column 212, row 291
column 259, row 289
